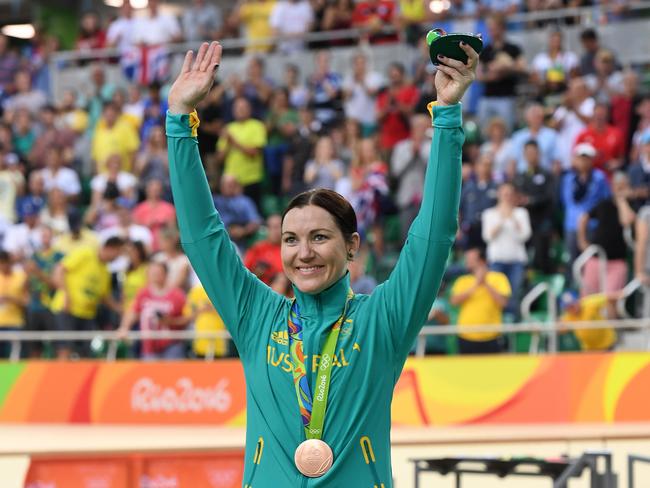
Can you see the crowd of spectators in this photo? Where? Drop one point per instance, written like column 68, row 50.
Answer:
column 87, row 222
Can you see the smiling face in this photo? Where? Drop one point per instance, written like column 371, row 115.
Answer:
column 314, row 251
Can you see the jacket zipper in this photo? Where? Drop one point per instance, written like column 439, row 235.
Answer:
column 257, row 458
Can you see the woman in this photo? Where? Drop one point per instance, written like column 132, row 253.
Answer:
column 135, row 276
column 281, row 121
column 178, row 266
column 105, row 213
column 318, row 238
column 367, row 190
column 151, row 163
column 499, row 148
column 324, row 171
column 55, row 214
column 506, row 228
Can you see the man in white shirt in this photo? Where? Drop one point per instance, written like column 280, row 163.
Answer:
column 128, row 230
column 22, row 240
column 56, row 175
column 360, row 90
column 291, row 20
column 148, row 61
column 607, row 81
column 25, row 97
column 571, row 118
column 158, row 28
column 12, row 182
column 121, row 31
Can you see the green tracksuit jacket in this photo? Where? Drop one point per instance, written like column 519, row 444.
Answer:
column 374, row 341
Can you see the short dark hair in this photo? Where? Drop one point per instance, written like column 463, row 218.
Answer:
column 531, row 142
column 481, row 250
column 589, row 34
column 334, row 203
column 114, row 242
column 398, row 66
column 141, row 250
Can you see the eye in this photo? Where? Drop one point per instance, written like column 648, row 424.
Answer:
column 290, row 240
column 320, row 237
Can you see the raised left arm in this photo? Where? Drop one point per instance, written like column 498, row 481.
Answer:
column 404, row 300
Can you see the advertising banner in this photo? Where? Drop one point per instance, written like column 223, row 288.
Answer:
column 435, row 391
column 218, row 470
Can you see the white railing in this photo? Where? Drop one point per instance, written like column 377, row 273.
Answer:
column 17, row 338
column 551, row 313
column 581, row 261
column 628, row 291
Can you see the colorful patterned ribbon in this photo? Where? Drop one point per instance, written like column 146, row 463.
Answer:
column 313, row 424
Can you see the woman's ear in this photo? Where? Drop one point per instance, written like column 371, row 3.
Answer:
column 353, row 245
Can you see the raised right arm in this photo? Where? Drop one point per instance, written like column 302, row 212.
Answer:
column 239, row 297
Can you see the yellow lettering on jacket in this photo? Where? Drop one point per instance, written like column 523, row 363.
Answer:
column 283, row 360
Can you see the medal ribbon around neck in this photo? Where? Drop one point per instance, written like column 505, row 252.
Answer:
column 312, row 410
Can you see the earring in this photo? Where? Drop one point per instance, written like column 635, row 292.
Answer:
column 350, row 256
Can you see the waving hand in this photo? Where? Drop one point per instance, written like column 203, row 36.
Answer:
column 195, row 79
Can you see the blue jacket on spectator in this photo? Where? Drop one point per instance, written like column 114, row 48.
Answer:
column 236, row 210
column 639, row 175
column 475, row 197
column 578, row 200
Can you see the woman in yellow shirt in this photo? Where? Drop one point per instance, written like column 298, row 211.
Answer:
column 13, row 299
column 136, row 275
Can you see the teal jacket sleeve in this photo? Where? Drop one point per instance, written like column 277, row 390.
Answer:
column 404, row 300
column 240, row 298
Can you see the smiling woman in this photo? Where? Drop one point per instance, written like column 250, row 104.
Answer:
column 319, row 237
column 327, row 347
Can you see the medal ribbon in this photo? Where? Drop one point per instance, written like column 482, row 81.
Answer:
column 312, row 409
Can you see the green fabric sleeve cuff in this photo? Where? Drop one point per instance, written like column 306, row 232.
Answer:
column 182, row 125
column 447, row 116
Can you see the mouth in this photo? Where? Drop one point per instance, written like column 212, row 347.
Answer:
column 309, row 270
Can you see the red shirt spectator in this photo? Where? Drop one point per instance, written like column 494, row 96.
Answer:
column 91, row 35
column 157, row 307
column 154, row 212
column 263, row 258
column 394, row 108
column 372, row 16
column 607, row 139
column 624, row 107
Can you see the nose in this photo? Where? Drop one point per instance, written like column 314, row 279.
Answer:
column 305, row 251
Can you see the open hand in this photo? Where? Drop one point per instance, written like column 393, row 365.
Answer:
column 453, row 77
column 195, row 79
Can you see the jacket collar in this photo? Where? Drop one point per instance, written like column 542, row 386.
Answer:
column 326, row 305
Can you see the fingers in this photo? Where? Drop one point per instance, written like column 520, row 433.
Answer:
column 472, row 55
column 216, row 56
column 451, row 72
column 187, row 62
column 199, row 56
column 205, row 63
column 454, row 63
